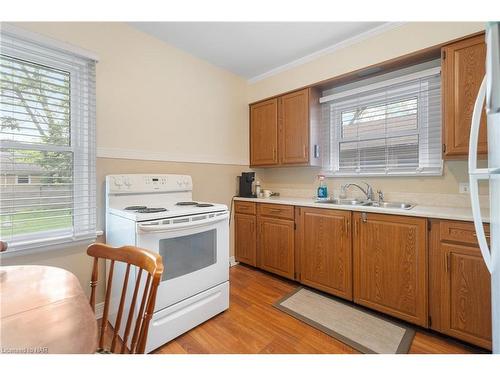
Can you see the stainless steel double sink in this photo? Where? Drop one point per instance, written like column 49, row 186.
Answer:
column 364, row 203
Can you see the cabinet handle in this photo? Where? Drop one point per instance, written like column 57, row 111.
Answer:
column 364, row 217
column 274, row 153
column 447, row 265
column 356, row 227
column 304, row 150
column 275, row 210
column 486, row 235
column 348, row 226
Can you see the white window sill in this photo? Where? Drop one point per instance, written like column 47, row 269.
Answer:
column 11, row 253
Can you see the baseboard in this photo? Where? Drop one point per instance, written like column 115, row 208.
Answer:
column 233, row 262
column 99, row 310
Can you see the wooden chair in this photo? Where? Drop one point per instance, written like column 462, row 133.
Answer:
column 144, row 260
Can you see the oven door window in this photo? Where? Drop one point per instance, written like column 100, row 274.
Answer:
column 186, row 254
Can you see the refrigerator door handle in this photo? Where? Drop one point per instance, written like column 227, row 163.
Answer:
column 476, row 174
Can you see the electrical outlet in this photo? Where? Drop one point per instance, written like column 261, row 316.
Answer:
column 463, row 188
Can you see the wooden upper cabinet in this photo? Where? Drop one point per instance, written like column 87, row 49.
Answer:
column 264, row 133
column 325, row 250
column 245, row 238
column 463, row 69
column 466, row 295
column 390, row 265
column 294, row 127
column 276, row 246
column 285, row 130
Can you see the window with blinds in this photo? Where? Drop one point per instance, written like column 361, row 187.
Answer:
column 47, row 144
column 391, row 127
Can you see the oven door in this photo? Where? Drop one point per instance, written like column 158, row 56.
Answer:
column 195, row 253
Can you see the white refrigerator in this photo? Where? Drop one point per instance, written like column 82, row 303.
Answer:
column 490, row 90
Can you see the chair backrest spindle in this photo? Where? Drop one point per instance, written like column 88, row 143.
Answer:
column 144, row 260
column 93, row 282
column 120, row 309
column 140, row 316
column 131, row 312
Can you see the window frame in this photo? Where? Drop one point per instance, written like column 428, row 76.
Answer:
column 59, row 237
column 334, row 123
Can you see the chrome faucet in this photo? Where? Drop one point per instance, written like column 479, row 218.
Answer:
column 380, row 195
column 368, row 191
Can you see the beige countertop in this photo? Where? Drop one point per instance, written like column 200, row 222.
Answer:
column 435, row 212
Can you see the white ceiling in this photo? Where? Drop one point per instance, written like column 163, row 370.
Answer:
column 252, row 49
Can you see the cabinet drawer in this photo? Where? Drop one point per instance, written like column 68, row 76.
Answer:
column 463, row 232
column 276, row 210
column 242, row 207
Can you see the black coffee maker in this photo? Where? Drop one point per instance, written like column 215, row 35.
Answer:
column 246, row 180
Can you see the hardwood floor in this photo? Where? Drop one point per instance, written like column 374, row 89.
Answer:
column 253, row 325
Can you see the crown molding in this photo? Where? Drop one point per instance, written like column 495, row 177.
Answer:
column 325, row 51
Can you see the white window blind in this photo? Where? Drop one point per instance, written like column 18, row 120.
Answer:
column 47, row 114
column 392, row 127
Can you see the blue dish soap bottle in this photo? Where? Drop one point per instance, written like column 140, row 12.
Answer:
column 322, row 188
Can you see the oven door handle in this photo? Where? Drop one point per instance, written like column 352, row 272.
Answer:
column 155, row 228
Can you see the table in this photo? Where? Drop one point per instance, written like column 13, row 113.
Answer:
column 44, row 310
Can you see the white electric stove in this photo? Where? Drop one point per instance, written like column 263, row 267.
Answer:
column 157, row 212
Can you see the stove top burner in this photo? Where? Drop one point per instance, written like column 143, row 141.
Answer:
column 195, row 204
column 150, row 210
column 135, row 208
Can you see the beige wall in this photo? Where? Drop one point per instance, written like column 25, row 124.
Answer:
column 406, row 38
column 440, row 190
column 154, row 102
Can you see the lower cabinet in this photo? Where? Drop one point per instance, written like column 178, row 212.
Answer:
column 245, row 238
column 390, row 265
column 324, row 247
column 466, row 295
column 276, row 250
column 461, row 284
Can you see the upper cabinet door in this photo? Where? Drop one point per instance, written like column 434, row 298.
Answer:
column 264, row 133
column 463, row 69
column 294, row 127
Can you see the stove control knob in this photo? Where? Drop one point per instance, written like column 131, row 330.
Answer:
column 127, row 181
column 118, row 181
